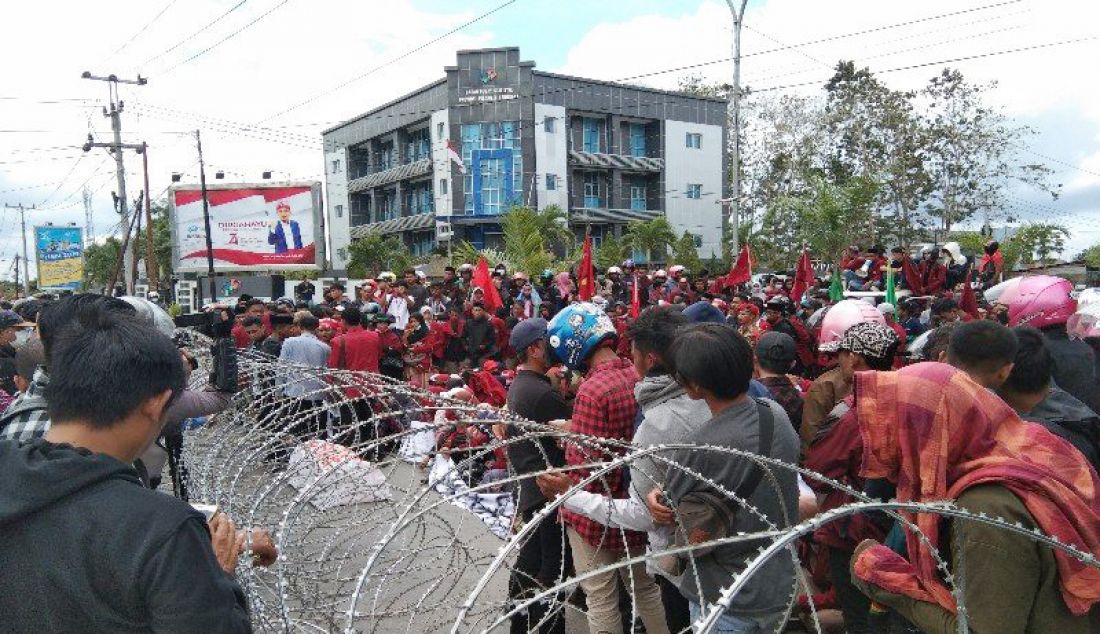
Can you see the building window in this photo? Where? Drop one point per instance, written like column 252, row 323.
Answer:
column 592, row 187
column 419, row 146
column 695, row 191
column 638, row 197
column 386, row 158
column 637, row 139
column 551, row 182
column 439, row 130
column 694, row 140
column 339, row 211
column 342, row 253
column 697, row 240
column 548, row 124
column 442, row 186
column 590, row 137
column 336, row 166
column 491, row 153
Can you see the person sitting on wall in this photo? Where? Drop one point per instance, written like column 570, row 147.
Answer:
column 278, row 231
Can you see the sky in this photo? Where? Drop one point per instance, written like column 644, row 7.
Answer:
column 263, row 78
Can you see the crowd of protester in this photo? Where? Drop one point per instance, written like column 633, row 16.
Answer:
column 967, row 388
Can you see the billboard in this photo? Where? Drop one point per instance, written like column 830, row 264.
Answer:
column 253, row 227
column 60, row 255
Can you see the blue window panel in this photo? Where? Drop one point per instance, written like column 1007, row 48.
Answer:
column 695, row 191
column 638, row 197
column 493, row 182
column 591, row 135
column 694, row 140
column 592, row 199
column 551, row 182
column 637, row 140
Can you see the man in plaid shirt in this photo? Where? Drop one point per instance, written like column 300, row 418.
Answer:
column 26, row 418
column 605, row 408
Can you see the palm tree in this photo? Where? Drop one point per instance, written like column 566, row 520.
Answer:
column 530, row 236
column 651, row 237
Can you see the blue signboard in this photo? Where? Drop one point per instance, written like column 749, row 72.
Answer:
column 60, row 253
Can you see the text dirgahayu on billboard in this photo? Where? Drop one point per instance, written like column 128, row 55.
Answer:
column 268, row 226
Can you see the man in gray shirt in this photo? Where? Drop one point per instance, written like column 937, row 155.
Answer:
column 714, row 364
column 305, row 388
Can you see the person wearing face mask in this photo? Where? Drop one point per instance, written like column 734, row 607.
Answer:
column 80, row 507
column 14, row 332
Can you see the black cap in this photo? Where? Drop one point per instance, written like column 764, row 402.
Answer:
column 281, row 319
column 777, row 347
column 527, row 332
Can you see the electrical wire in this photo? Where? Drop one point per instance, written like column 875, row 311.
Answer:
column 195, row 34
column 226, row 38
column 391, row 61
column 140, row 31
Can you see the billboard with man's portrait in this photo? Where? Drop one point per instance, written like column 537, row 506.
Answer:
column 268, row 227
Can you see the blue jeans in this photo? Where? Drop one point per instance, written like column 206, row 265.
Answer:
column 730, row 624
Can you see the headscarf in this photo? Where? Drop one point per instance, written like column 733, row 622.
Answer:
column 937, row 433
column 565, row 284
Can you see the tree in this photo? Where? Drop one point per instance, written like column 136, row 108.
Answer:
column 1090, row 256
column 374, row 253
column 651, row 237
column 611, row 252
column 685, row 254
column 972, row 152
column 835, row 216
column 530, row 235
column 100, row 261
column 1039, row 241
column 162, row 243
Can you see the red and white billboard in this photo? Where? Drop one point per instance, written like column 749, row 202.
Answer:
column 268, row 226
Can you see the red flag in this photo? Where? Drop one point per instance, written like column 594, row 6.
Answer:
column 969, row 301
column 635, row 299
column 456, row 158
column 483, row 280
column 803, row 277
column 912, row 276
column 586, row 275
column 741, row 271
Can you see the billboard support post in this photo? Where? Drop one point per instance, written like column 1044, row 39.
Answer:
column 206, row 221
column 151, row 268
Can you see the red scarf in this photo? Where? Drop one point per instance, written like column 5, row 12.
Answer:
column 935, row 432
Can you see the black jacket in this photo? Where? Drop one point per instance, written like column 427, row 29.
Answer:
column 480, row 338
column 85, row 548
column 1071, row 419
column 1074, row 366
column 7, row 369
column 531, row 397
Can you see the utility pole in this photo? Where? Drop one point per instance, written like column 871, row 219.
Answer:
column 115, row 115
column 26, row 266
column 17, row 276
column 150, row 262
column 735, row 102
column 89, row 223
column 206, row 222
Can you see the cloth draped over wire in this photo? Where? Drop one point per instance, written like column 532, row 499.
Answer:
column 937, row 433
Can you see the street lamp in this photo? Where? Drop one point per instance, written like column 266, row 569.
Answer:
column 735, row 102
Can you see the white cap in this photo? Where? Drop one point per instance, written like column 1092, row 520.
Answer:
column 661, row 273
column 614, row 269
column 886, row 308
column 675, row 268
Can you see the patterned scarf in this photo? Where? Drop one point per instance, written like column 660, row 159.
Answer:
column 937, row 433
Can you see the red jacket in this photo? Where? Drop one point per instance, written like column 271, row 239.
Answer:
column 851, row 263
column 359, row 349
column 240, row 337
column 933, row 276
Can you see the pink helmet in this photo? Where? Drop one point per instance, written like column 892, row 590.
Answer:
column 842, row 316
column 1039, row 301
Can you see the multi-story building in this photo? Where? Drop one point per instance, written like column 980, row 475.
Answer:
column 444, row 162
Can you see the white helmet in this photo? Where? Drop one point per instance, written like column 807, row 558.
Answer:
column 466, row 267
column 614, row 269
column 675, row 269
column 152, row 296
column 842, row 316
column 955, row 251
column 661, row 273
column 152, row 314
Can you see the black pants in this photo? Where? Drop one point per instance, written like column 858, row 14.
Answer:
column 173, row 445
column 539, row 566
column 853, row 604
column 677, row 613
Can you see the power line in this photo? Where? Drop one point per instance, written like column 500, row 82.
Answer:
column 196, row 33
column 391, row 61
column 943, row 61
column 226, row 38
column 139, row 31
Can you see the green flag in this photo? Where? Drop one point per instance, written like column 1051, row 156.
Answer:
column 836, row 291
column 891, row 292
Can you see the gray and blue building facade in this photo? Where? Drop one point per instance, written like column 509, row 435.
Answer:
column 606, row 153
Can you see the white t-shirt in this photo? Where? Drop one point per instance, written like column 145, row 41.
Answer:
column 399, row 308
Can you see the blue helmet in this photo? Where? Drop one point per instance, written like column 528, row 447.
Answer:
column 576, row 331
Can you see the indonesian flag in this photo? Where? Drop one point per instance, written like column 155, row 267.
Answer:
column 803, row 276
column 741, row 271
column 586, row 276
column 635, row 299
column 483, row 280
column 453, row 154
